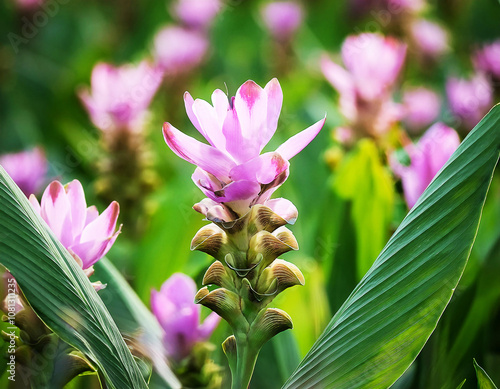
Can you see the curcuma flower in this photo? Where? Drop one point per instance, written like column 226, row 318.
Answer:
column 178, row 50
column 470, row 99
column 230, row 171
column 27, row 169
column 179, row 316
column 119, row 96
column 430, row 38
column 196, row 14
column 427, row 157
column 487, row 59
column 422, row 106
column 372, row 65
column 282, row 18
column 87, row 235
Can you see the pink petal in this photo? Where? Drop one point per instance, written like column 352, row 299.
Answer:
column 240, row 149
column 297, row 142
column 283, row 208
column 262, row 169
column 206, row 157
column 236, row 191
column 208, row 326
column 76, row 198
column 274, row 103
column 188, row 103
column 337, row 76
column 34, row 202
column 211, row 127
column 91, row 251
column 221, row 105
column 162, row 308
column 92, row 214
column 180, row 289
column 103, row 227
column 55, row 210
column 250, row 103
column 213, row 211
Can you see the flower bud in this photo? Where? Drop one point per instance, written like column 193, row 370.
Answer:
column 209, row 239
column 223, row 302
column 268, row 323
column 286, row 274
column 217, row 274
column 270, row 246
column 229, row 348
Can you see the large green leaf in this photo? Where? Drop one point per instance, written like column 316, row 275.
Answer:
column 384, row 324
column 59, row 291
column 134, row 318
column 483, row 379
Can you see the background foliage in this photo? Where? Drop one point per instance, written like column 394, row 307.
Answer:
column 345, row 217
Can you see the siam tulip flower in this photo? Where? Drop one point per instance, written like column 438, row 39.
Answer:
column 196, row 14
column 119, row 96
column 179, row 316
column 427, row 157
column 422, row 107
column 373, row 63
column 282, row 18
column 469, row 99
column 230, row 171
column 87, row 235
column 27, row 169
column 179, row 50
column 487, row 59
column 430, row 38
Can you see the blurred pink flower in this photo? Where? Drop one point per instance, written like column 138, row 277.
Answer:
column 29, row 5
column 470, row 99
column 487, row 59
column 196, row 13
column 230, row 170
column 430, row 38
column 179, row 316
column 427, row 157
column 282, row 18
column 10, row 300
column 373, row 63
column 120, row 96
column 87, row 235
column 27, row 169
column 179, row 50
column 422, row 107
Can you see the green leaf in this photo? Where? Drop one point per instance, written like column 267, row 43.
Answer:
column 483, row 380
column 364, row 180
column 384, row 324
column 461, row 384
column 59, row 291
column 133, row 317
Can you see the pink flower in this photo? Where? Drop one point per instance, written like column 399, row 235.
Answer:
column 29, row 5
column 487, row 59
column 26, row 168
column 470, row 99
column 427, row 158
column 87, row 235
column 282, row 18
column 196, row 13
column 430, row 38
column 120, row 96
column 179, row 50
column 231, row 171
column 373, row 63
column 179, row 316
column 422, row 107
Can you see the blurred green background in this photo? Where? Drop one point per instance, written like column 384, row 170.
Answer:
column 44, row 59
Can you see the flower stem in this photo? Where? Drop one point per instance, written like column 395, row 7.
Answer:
column 246, row 359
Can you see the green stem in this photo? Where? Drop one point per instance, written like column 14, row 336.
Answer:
column 246, row 359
